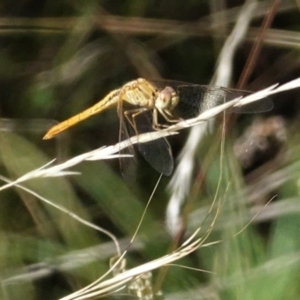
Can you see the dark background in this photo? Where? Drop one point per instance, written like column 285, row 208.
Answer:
column 60, row 57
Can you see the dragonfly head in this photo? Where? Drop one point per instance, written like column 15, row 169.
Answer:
column 167, row 98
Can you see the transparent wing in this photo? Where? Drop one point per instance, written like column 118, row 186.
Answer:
column 157, row 153
column 128, row 165
column 194, row 98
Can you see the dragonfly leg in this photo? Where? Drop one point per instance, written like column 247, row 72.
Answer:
column 156, row 125
column 167, row 114
column 131, row 114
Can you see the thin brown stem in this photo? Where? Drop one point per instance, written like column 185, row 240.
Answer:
column 253, row 55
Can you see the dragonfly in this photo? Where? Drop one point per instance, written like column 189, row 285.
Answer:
column 154, row 105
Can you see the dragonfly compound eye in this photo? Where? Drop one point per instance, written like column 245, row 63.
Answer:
column 164, row 99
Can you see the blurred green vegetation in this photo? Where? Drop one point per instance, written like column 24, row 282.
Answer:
column 56, row 59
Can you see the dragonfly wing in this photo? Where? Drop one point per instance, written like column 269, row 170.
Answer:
column 259, row 106
column 128, row 165
column 195, row 98
column 157, row 153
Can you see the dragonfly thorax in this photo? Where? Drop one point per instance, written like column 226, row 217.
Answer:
column 167, row 99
